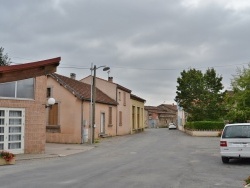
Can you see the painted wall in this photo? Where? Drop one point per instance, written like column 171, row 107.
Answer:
column 110, row 129
column 35, row 117
column 69, row 115
column 72, row 112
column 138, row 125
column 181, row 118
column 111, row 90
column 124, row 107
column 151, row 119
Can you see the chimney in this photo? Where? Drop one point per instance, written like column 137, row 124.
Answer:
column 110, row 79
column 73, row 76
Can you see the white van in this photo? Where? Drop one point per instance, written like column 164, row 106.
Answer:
column 235, row 141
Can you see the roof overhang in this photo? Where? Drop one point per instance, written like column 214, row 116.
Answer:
column 28, row 70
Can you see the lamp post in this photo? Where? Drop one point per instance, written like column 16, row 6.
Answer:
column 93, row 99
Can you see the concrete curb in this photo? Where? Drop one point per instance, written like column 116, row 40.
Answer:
column 56, row 150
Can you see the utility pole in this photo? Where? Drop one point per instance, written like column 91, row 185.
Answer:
column 93, row 99
column 93, row 104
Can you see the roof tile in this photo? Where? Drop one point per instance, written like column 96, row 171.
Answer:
column 82, row 90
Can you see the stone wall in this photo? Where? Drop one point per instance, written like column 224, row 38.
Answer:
column 204, row 133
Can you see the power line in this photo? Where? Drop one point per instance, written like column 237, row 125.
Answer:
column 139, row 68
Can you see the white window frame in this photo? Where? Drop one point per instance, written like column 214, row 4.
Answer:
column 18, row 98
column 6, row 133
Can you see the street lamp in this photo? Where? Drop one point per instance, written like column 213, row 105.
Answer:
column 93, row 98
column 51, row 101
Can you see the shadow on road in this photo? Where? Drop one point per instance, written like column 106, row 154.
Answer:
column 239, row 161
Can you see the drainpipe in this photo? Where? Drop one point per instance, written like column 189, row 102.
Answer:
column 116, row 112
column 82, row 123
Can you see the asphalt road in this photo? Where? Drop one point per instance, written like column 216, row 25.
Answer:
column 156, row 158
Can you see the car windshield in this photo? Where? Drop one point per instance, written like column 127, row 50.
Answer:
column 237, row 131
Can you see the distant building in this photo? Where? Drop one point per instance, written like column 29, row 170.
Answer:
column 160, row 116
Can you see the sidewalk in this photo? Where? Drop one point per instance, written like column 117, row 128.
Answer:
column 56, row 150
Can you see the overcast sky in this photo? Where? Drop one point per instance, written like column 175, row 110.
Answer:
column 146, row 43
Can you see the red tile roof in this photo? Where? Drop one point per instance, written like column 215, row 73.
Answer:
column 82, row 90
column 158, row 110
column 28, row 70
column 169, row 106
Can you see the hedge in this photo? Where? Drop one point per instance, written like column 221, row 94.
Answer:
column 205, row 125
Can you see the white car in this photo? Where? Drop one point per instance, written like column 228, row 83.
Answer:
column 235, row 142
column 171, row 126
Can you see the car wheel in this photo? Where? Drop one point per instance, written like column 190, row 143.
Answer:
column 225, row 159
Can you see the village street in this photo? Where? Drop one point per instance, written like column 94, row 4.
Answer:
column 156, row 158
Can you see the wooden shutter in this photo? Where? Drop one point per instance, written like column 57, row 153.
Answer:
column 53, row 114
column 110, row 115
column 120, row 118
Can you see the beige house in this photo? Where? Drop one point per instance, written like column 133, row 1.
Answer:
column 137, row 109
column 22, row 106
column 122, row 96
column 69, row 119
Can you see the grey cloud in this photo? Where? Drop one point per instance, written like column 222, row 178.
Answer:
column 134, row 38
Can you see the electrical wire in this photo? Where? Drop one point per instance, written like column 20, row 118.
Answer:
column 139, row 68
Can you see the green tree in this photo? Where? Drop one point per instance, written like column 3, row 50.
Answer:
column 201, row 94
column 4, row 59
column 239, row 100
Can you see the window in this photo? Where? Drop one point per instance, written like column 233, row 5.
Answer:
column 119, row 95
column 25, row 88
column 120, row 118
column 49, row 92
column 18, row 89
column 124, row 98
column 12, row 129
column 8, row 89
column 237, row 131
column 53, row 114
column 133, row 117
column 110, row 115
column 138, row 117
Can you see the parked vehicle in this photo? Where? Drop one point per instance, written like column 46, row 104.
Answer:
column 235, row 142
column 171, row 126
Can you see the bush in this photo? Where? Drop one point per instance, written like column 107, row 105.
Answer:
column 205, row 125
column 7, row 155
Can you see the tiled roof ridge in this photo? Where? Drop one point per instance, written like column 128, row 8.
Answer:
column 106, row 96
column 67, row 86
column 78, row 94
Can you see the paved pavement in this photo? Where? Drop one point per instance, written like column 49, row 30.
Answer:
column 56, row 150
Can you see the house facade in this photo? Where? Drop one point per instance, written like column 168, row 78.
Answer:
column 137, row 109
column 69, row 120
column 22, row 106
column 122, row 96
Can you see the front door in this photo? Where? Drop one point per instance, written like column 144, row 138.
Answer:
column 102, row 128
column 12, row 129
